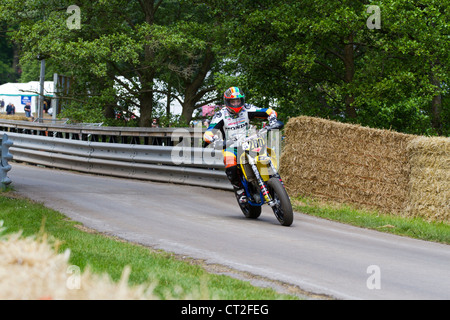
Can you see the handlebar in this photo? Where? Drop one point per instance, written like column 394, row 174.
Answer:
column 277, row 125
column 223, row 143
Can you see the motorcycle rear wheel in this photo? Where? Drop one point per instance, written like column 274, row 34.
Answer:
column 283, row 209
column 249, row 211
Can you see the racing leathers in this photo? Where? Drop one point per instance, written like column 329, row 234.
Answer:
column 232, row 128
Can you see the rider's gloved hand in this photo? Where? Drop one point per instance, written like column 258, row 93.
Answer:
column 272, row 119
column 216, row 142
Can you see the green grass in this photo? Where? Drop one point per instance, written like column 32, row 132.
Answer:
column 411, row 227
column 175, row 278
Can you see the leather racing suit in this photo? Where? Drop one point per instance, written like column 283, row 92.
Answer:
column 233, row 127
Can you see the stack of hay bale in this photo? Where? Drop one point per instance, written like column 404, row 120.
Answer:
column 429, row 182
column 30, row 269
column 369, row 167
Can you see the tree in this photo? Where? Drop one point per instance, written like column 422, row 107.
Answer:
column 119, row 51
column 9, row 70
column 320, row 58
column 189, row 70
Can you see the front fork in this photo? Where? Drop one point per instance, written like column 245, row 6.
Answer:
column 265, row 193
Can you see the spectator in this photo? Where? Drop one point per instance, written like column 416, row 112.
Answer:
column 10, row 109
column 27, row 110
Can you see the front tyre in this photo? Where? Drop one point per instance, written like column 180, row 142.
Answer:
column 283, row 208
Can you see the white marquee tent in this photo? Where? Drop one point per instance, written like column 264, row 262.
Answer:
column 20, row 93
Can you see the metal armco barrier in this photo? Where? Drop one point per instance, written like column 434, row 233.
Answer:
column 124, row 135
column 5, row 156
column 183, row 165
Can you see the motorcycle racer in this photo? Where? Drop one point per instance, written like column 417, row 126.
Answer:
column 233, row 121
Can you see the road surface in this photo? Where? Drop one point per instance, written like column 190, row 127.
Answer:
column 316, row 255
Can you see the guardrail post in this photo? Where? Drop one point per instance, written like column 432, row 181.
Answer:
column 5, row 157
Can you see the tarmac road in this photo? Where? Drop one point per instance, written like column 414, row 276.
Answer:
column 317, row 255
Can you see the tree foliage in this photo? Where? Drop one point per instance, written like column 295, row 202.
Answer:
column 120, row 50
column 320, row 58
column 316, row 58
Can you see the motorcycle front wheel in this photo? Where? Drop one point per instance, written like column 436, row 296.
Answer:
column 283, row 208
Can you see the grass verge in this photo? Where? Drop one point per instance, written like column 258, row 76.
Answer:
column 411, row 227
column 101, row 254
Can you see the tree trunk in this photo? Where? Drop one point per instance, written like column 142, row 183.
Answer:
column 147, row 74
column 192, row 92
column 146, row 108
column 188, row 109
column 349, row 63
column 15, row 63
column 169, row 99
column 436, row 107
column 108, row 112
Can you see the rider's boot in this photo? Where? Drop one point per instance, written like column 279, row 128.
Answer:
column 233, row 176
column 241, row 196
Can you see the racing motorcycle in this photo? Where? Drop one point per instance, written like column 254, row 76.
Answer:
column 262, row 182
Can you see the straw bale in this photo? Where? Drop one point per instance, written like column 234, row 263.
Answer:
column 429, row 183
column 14, row 117
column 346, row 163
column 375, row 168
column 31, row 269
